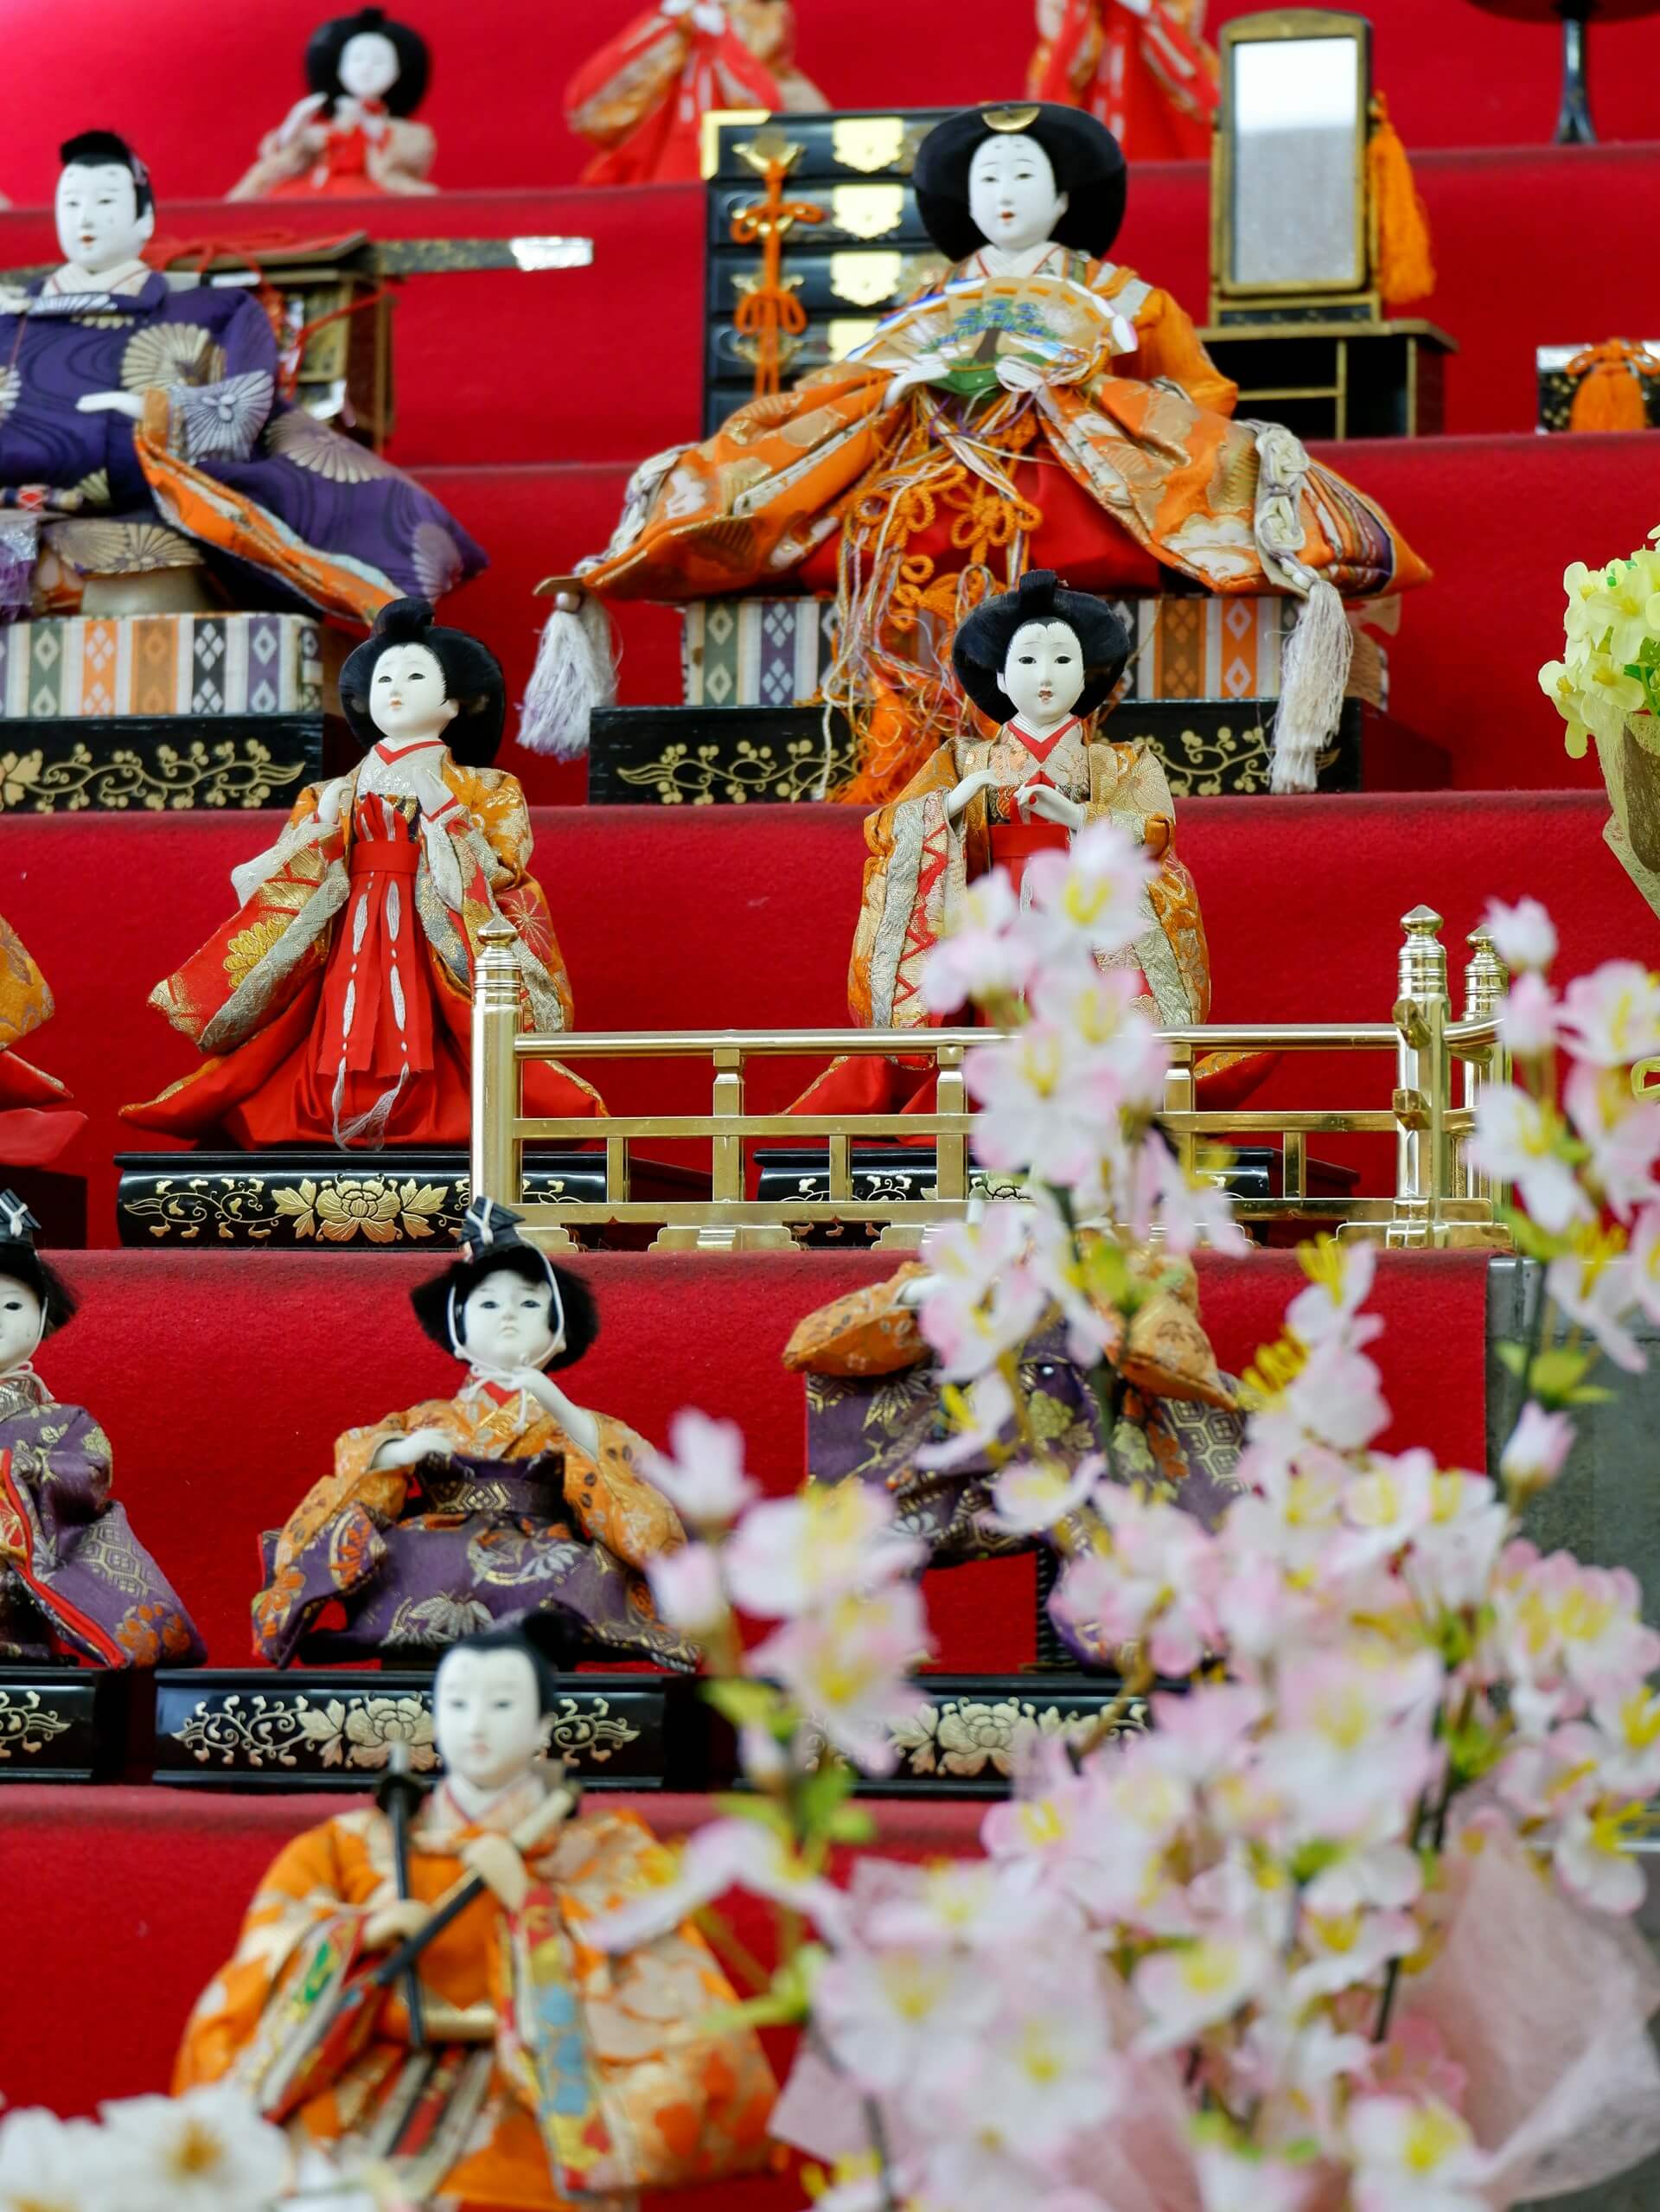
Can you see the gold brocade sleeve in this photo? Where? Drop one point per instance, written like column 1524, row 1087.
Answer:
column 866, row 1333
column 613, row 1501
column 380, row 1492
column 25, row 1000
column 495, row 800
column 917, row 859
column 1170, row 346
column 1127, row 785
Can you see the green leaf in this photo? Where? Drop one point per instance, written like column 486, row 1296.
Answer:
column 746, row 1704
column 853, row 1823
column 1512, row 1356
column 1592, row 1394
column 821, row 1796
column 765, row 1811
column 1557, row 1372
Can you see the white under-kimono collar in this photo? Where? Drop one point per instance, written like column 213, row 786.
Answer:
column 125, row 278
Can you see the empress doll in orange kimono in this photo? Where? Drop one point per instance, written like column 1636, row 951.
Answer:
column 35, row 1124
column 354, row 133
column 335, row 1005
column 1039, row 406
column 547, row 2072
column 642, row 98
column 1141, row 66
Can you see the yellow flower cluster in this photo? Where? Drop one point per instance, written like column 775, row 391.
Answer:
column 1610, row 670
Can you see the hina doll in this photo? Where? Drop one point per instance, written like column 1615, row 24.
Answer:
column 1141, row 66
column 1040, row 407
column 642, row 97
column 75, row 1583
column 335, row 1003
column 141, row 428
column 354, row 132
column 1040, row 664
column 873, row 1405
column 35, row 1125
column 504, row 1499
column 539, row 2071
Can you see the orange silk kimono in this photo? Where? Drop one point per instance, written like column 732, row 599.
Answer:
column 341, row 1521
column 28, row 1137
column 554, row 2073
column 642, row 97
column 258, row 995
column 1150, row 77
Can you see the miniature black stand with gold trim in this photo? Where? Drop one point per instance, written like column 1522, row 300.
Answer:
column 70, row 1723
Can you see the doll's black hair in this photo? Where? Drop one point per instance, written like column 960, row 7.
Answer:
column 448, row 1293
column 981, row 648
column 1088, row 161
column 550, row 1641
column 106, row 149
column 472, row 677
column 329, row 41
column 20, row 1260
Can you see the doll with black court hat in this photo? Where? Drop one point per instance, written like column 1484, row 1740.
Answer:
column 354, row 132
column 1041, row 406
column 76, row 1586
column 506, row 1497
column 337, row 1003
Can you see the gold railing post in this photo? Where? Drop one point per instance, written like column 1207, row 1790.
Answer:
column 951, row 1152
column 1179, row 1099
column 1422, row 1083
column 496, row 1153
column 1486, row 980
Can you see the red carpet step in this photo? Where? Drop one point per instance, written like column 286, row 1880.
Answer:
column 1499, row 518
column 223, row 1379
column 1455, row 76
column 568, row 365
column 126, row 1902
column 729, row 917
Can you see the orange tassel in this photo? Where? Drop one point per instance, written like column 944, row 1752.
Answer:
column 1401, row 249
column 1609, row 395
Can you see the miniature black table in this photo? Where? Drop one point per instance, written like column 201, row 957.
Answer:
column 1573, row 126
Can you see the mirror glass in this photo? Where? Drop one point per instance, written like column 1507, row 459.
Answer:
column 1295, row 104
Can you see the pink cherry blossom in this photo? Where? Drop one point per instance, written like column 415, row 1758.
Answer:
column 1524, row 935
column 704, row 1478
column 1194, row 1986
column 1623, row 1137
column 1093, row 896
column 789, row 1554
column 1537, row 1450
column 725, row 1855
column 1599, row 1291
column 981, row 1414
column 1049, row 1104
column 688, row 1589
column 847, row 1667
column 1646, row 1262
column 1232, row 2180
column 983, row 1298
column 985, row 956
column 1527, row 1018
column 1612, row 1015
column 1028, row 1497
column 1517, row 1140
column 1413, row 2155
column 904, row 2014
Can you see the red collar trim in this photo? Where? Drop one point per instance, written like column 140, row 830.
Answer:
column 1041, row 748
column 421, row 744
column 498, row 1394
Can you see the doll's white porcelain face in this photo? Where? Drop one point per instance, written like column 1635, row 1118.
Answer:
column 99, row 222
column 487, row 1717
column 1012, row 195
column 508, row 1322
column 1043, row 674
column 406, row 699
column 368, row 65
column 20, row 1323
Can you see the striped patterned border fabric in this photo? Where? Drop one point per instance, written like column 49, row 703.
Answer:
column 83, row 668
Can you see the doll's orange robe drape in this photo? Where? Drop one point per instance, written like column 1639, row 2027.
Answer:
column 1150, row 77
column 667, row 2102
column 36, row 1123
column 255, row 997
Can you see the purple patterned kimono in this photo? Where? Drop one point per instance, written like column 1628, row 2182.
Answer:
column 210, row 351
column 74, row 1581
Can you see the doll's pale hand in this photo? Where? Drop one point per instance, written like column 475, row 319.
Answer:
column 579, row 1424
column 112, row 403
column 419, row 1444
column 330, row 799
column 1054, row 806
column 919, row 1288
column 352, row 112
column 958, row 797
column 496, row 1862
column 303, row 112
column 395, row 1923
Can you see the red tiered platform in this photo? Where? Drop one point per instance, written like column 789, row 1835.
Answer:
column 742, row 917
column 224, row 1380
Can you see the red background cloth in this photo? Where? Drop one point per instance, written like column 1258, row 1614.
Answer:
column 197, row 94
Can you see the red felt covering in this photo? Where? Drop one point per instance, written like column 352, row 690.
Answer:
column 124, row 1902
column 197, row 104
column 223, row 1380
column 1499, row 518
column 735, row 917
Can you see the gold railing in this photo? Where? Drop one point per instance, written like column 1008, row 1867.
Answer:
column 1437, row 1199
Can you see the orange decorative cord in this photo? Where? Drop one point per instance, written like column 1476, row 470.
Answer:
column 1609, row 394
column 771, row 312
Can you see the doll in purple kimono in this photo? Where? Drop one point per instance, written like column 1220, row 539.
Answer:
column 140, row 432
column 75, row 1583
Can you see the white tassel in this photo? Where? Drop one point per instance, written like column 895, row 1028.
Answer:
column 575, row 673
column 1314, row 678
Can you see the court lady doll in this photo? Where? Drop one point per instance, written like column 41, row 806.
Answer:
column 354, row 132
column 336, row 1005
column 547, row 2071
column 75, row 1583
column 506, row 1497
